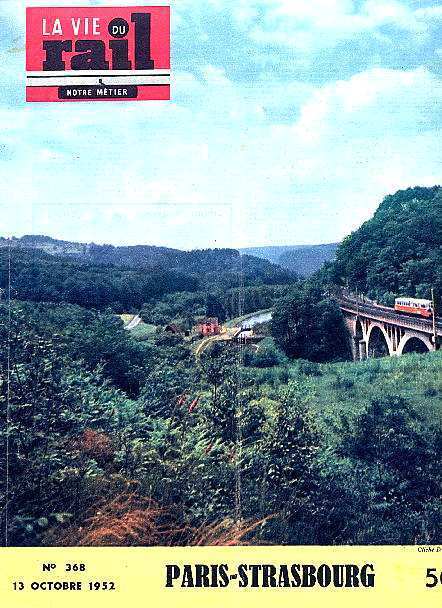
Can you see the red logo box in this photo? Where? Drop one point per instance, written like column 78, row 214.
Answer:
column 98, row 53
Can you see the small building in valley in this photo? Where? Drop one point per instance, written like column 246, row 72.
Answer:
column 209, row 327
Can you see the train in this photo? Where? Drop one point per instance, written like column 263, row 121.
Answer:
column 414, row 306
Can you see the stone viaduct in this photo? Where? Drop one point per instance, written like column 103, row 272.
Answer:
column 378, row 331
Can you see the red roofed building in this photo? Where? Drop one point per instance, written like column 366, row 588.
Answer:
column 209, row 327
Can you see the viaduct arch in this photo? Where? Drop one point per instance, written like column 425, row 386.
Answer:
column 378, row 331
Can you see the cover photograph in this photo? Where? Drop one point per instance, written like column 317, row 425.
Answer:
column 220, row 302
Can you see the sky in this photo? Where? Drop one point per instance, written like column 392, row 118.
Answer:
column 290, row 120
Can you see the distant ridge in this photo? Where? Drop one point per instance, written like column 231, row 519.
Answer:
column 302, row 259
column 148, row 257
column 132, row 256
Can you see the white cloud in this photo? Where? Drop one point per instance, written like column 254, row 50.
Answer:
column 430, row 12
column 143, row 170
column 377, row 101
column 305, row 25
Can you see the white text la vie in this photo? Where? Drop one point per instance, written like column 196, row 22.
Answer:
column 81, row 26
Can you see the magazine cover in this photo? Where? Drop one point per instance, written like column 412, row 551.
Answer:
column 220, row 303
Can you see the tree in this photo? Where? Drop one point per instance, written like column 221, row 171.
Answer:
column 290, row 475
column 215, row 308
column 267, row 355
column 307, row 325
column 398, row 250
column 53, row 403
column 397, row 456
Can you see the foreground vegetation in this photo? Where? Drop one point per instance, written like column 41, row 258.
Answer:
column 118, row 441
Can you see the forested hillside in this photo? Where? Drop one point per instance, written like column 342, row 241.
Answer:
column 211, row 263
column 399, row 251
column 307, row 260
column 302, row 259
column 42, row 277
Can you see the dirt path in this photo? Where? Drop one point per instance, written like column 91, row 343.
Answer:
column 133, row 323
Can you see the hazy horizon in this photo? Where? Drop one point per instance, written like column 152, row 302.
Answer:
column 148, row 244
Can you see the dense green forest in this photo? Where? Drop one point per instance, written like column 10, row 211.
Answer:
column 209, row 264
column 186, row 307
column 398, row 252
column 42, row 277
column 119, row 437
